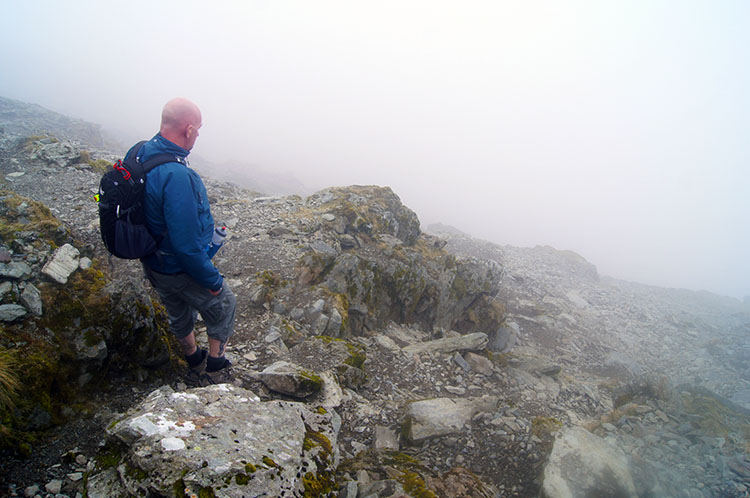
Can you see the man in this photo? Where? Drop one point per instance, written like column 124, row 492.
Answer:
column 177, row 210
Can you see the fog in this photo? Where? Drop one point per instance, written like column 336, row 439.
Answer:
column 618, row 130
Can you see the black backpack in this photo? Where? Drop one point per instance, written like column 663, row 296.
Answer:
column 121, row 216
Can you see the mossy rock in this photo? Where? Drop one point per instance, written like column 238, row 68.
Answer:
column 81, row 312
column 365, row 211
column 382, row 465
column 21, row 215
column 323, row 482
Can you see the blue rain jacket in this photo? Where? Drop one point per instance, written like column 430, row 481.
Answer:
column 176, row 207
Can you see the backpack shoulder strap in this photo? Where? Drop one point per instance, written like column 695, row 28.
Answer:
column 134, row 150
column 161, row 159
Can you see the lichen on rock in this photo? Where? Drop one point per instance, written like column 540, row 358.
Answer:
column 232, row 443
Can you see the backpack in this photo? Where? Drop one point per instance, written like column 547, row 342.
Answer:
column 121, row 216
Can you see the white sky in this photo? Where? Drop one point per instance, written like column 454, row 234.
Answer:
column 615, row 129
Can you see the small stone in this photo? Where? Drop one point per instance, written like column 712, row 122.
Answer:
column 85, row 263
column 358, row 447
column 81, row 459
column 385, row 439
column 14, row 270
column 609, row 427
column 75, row 476
column 64, row 262
column 274, row 334
column 251, row 356
column 326, row 217
column 31, row 491
column 478, row 363
column 459, row 360
column 32, row 299
column 5, row 287
column 54, row 486
column 11, row 312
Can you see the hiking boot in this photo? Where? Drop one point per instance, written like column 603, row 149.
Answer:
column 223, row 376
column 193, row 376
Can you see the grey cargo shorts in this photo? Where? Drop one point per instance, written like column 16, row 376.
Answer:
column 183, row 297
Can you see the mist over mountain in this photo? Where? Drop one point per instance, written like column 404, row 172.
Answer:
column 617, row 131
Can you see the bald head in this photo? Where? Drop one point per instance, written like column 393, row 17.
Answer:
column 180, row 121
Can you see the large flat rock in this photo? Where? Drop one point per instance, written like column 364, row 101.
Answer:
column 582, row 464
column 442, row 416
column 476, row 341
column 221, row 438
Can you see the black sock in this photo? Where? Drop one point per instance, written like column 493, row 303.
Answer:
column 214, row 364
column 196, row 358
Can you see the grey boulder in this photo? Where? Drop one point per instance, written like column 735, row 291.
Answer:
column 221, row 439
column 287, row 378
column 476, row 341
column 442, row 416
column 582, row 464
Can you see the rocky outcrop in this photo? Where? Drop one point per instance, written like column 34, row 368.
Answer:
column 218, row 441
column 64, row 320
column 20, row 118
column 370, row 252
column 368, row 211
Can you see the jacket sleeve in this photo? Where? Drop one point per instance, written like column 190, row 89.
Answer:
column 181, row 204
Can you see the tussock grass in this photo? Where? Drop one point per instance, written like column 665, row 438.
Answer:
column 9, row 382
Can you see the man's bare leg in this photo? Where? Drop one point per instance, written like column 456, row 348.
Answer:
column 188, row 344
column 215, row 347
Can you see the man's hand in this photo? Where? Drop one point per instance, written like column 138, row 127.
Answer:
column 214, row 292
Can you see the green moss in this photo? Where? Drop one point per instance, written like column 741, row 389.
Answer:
column 24, row 449
column 100, row 165
column 357, row 353
column 109, row 459
column 135, row 473
column 242, row 479
column 406, row 429
column 404, row 468
column 250, row 468
column 399, row 459
column 206, row 492
column 414, row 485
column 321, row 410
column 269, row 462
column 356, row 358
column 458, row 287
column 91, row 338
column 314, row 439
column 179, row 488
column 543, row 426
column 323, row 481
column 310, row 381
column 715, row 417
column 36, row 217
